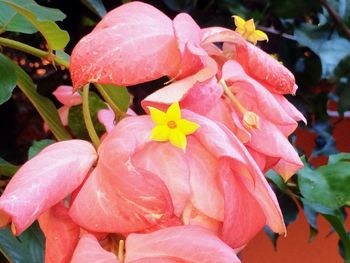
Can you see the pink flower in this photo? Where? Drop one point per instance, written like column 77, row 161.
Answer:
column 215, row 184
column 174, row 244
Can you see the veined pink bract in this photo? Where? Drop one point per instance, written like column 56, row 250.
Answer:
column 213, row 181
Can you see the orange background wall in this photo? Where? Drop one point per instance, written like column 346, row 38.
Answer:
column 295, row 247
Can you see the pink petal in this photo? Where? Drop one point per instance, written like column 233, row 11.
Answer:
column 226, row 144
column 223, row 113
column 270, row 141
column 290, row 108
column 45, row 180
column 267, row 70
column 107, row 117
column 63, row 114
column 170, row 164
column 133, row 36
column 67, row 96
column 198, row 92
column 188, row 36
column 254, row 96
column 61, row 234
column 90, row 251
column 192, row 216
column 118, row 197
column 244, row 217
column 258, row 64
column 178, row 244
column 207, row 194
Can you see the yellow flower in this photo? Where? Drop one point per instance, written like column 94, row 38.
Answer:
column 170, row 126
column 248, row 31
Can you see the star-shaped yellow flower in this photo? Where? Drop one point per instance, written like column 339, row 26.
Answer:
column 170, row 126
column 248, row 31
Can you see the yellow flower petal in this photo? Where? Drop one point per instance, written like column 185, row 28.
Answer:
column 260, row 35
column 160, row 133
column 239, row 22
column 177, row 138
column 250, row 26
column 252, row 38
column 173, row 113
column 187, row 127
column 158, row 116
column 240, row 31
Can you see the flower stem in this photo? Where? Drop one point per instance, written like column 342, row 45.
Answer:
column 87, row 118
column 33, row 51
column 119, row 114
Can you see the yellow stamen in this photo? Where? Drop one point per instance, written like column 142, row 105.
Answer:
column 172, row 124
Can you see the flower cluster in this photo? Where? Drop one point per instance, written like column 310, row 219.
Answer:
column 182, row 184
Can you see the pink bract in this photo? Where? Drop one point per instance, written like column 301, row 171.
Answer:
column 44, row 181
column 61, row 234
column 133, row 36
column 126, row 180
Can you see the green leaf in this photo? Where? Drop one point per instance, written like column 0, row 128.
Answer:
column 6, row 168
column 75, row 117
column 277, row 180
column 337, row 177
column 330, row 50
column 8, row 79
column 42, row 19
column 62, row 58
column 337, row 223
column 38, row 146
column 328, row 185
column 119, row 95
column 27, row 247
column 340, row 157
column 10, row 20
column 95, row 6
column 44, row 106
column 311, row 217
